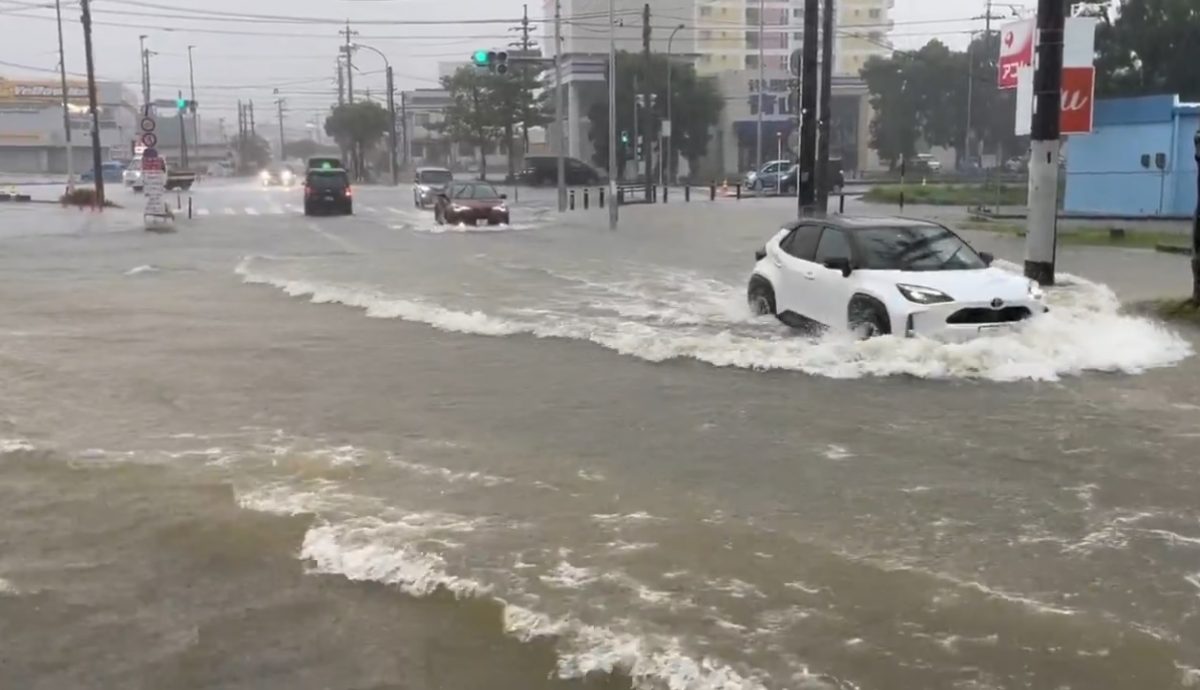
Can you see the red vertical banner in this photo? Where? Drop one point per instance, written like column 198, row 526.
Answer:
column 1016, row 51
column 1078, row 100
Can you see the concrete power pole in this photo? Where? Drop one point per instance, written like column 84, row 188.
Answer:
column 195, row 115
column 758, row 137
column 86, row 19
column 279, row 113
column 647, row 103
column 1041, row 243
column 62, row 66
column 183, row 152
column 822, row 174
column 348, row 49
column 561, row 142
column 613, row 210
column 808, row 109
column 1196, row 230
column 341, row 79
column 391, row 106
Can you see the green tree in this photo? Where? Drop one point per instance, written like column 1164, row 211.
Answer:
column 254, row 153
column 518, row 99
column 1151, row 46
column 472, row 116
column 357, row 127
column 895, row 129
column 696, row 110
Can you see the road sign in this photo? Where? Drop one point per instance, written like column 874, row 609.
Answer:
column 154, row 182
column 1078, row 101
column 149, row 140
column 148, row 124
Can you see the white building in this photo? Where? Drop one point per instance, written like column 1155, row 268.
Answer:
column 32, row 139
column 722, row 39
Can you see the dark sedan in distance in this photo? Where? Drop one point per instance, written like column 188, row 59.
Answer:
column 471, row 203
column 328, row 189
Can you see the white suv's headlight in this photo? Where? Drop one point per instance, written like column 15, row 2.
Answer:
column 923, row 295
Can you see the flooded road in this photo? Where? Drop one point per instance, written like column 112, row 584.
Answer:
column 277, row 452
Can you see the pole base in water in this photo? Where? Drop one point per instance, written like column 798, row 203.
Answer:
column 1041, row 271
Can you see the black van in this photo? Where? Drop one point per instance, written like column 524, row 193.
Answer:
column 543, row 171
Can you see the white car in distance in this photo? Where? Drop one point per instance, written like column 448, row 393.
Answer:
column 883, row 276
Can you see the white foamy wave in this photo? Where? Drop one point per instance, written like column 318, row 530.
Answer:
column 15, row 445
column 8, row 588
column 371, row 550
column 681, row 316
column 448, row 475
column 139, row 270
column 434, row 229
column 619, row 518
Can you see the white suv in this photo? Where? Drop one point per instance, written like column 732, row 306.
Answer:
column 881, row 276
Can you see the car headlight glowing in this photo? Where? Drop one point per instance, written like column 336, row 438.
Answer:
column 1035, row 290
column 287, row 175
column 923, row 295
column 265, row 175
column 460, row 209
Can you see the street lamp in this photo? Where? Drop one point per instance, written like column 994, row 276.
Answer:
column 391, row 102
column 668, row 160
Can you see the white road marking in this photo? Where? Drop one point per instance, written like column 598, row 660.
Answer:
column 333, row 238
column 293, row 208
column 202, row 212
column 397, row 211
column 276, row 210
column 369, row 209
column 251, row 212
column 230, row 212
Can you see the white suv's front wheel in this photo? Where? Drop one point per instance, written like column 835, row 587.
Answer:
column 868, row 318
column 761, row 298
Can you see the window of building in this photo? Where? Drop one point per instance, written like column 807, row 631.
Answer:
column 875, row 13
column 751, row 62
column 752, row 39
column 876, row 37
column 705, row 11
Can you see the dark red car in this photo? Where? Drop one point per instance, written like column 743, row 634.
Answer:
column 471, row 203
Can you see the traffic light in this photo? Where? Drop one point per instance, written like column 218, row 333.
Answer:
column 495, row 61
column 184, row 105
column 640, row 152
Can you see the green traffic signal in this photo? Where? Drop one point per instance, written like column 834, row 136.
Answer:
column 180, row 103
column 480, row 58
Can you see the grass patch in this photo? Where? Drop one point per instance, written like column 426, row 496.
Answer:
column 1086, row 236
column 1184, row 310
column 949, row 194
column 83, row 196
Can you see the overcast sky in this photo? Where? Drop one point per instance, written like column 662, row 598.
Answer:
column 297, row 58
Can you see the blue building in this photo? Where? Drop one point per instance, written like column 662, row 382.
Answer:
column 1139, row 162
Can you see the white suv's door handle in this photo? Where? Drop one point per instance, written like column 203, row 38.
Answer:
column 809, row 275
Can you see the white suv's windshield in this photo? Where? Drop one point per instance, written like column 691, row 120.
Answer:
column 915, row 248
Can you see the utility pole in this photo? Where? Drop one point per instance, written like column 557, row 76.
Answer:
column 647, row 109
column 86, row 19
column 192, row 84
column 613, row 210
column 341, row 79
column 279, row 113
column 1042, row 239
column 183, row 152
column 526, row 46
column 637, row 102
column 241, row 135
column 559, row 123
column 349, row 51
column 808, row 109
column 391, row 106
column 821, row 177
column 404, row 127
column 758, row 137
column 62, row 66
column 145, row 82
column 253, row 131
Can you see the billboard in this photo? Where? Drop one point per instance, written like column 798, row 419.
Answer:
column 12, row 91
column 1018, row 43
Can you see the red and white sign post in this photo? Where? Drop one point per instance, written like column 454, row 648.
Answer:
column 1078, row 79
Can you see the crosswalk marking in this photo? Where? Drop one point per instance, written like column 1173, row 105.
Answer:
column 229, row 211
column 276, row 210
column 395, row 210
column 369, row 209
column 202, row 212
column 251, row 212
column 293, row 208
